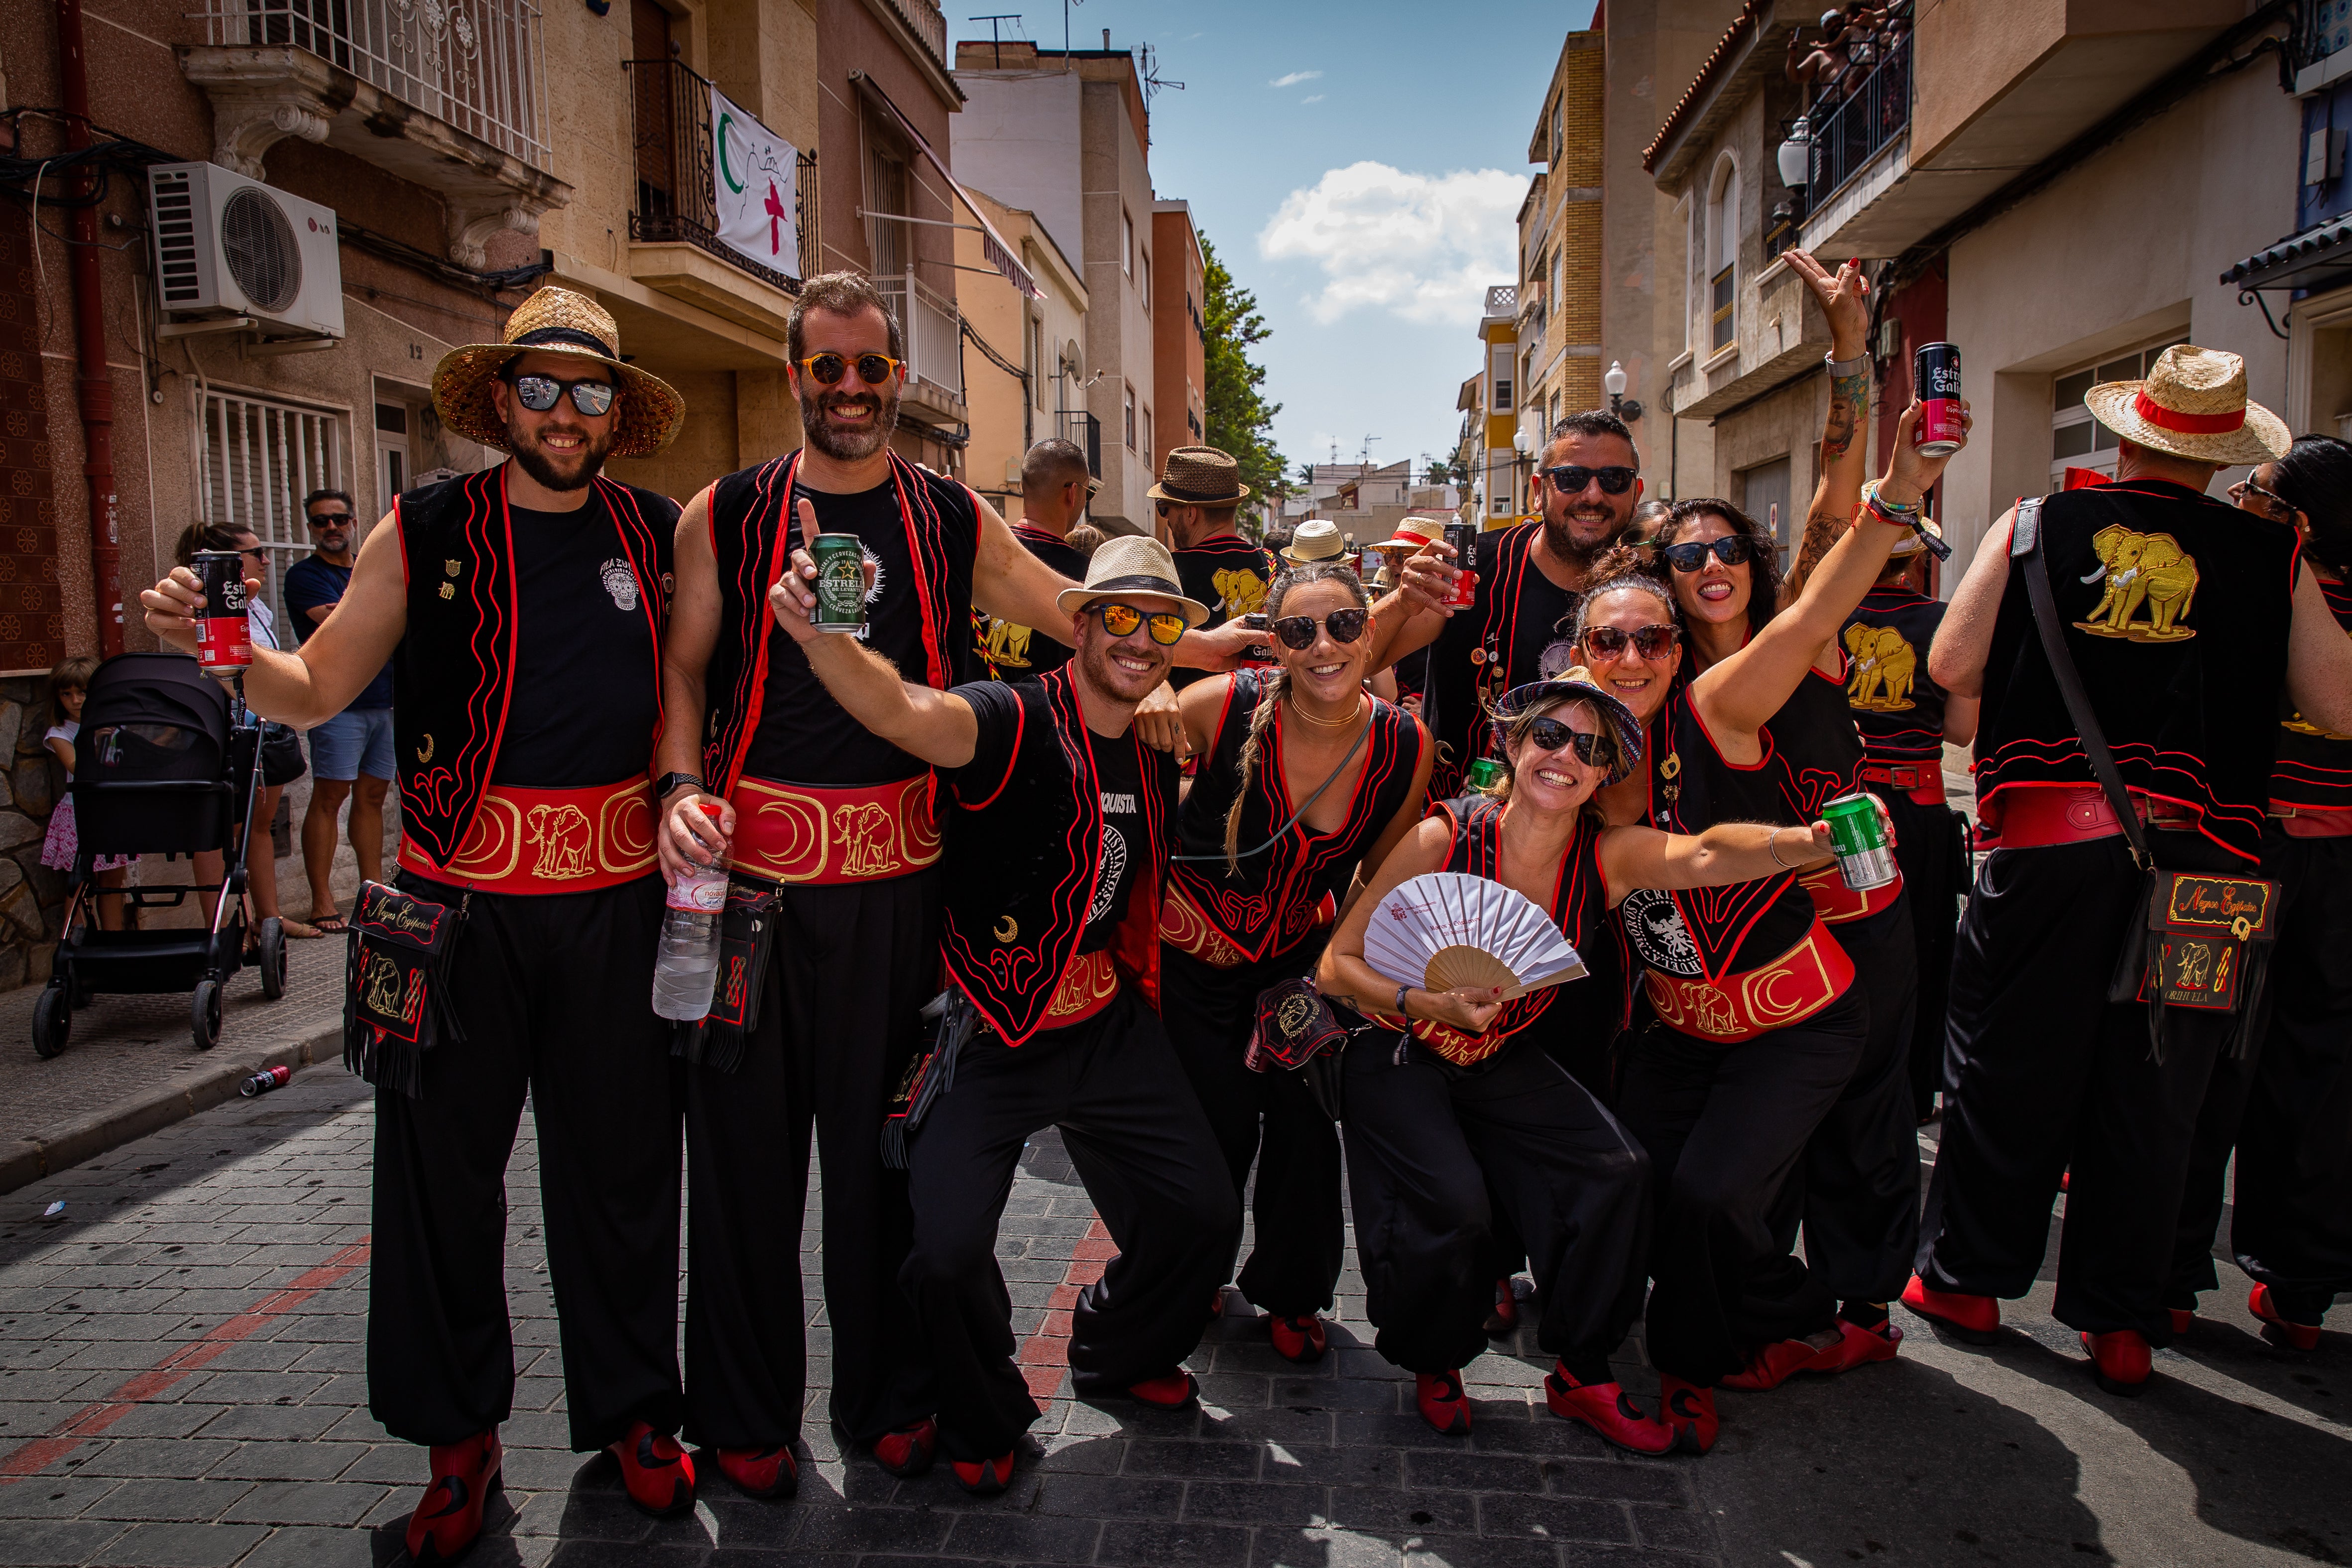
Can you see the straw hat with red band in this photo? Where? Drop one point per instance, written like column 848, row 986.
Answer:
column 2193, row 405
column 1413, row 535
column 556, row 322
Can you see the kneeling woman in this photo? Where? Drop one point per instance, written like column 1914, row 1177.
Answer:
column 1304, row 776
column 1470, row 1111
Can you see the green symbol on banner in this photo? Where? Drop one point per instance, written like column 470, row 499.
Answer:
column 725, row 173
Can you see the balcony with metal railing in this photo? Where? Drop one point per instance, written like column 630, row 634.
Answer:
column 1872, row 112
column 933, row 331
column 1085, row 431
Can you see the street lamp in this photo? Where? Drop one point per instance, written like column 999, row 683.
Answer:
column 1523, row 458
column 1613, row 383
column 1795, row 156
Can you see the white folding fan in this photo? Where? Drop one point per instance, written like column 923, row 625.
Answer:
column 1444, row 930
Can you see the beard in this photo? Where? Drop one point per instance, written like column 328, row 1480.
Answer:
column 1104, row 675
column 574, row 473
column 848, row 445
column 1578, row 552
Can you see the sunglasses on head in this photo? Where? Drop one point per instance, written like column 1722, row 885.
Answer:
column 538, row 392
column 1652, row 641
column 1571, row 478
column 827, row 369
column 1551, row 735
column 1121, row 620
column 1732, row 550
column 1299, row 631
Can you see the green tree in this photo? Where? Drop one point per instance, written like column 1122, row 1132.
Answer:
column 1240, row 420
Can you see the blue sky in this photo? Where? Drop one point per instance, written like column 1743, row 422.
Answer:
column 1359, row 167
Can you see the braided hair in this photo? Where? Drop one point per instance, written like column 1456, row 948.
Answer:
column 1277, row 687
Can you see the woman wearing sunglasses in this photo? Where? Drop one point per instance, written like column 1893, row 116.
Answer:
column 1462, row 1113
column 1304, row 777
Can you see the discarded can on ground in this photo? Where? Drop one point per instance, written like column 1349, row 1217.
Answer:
column 223, row 627
column 264, row 1080
column 840, row 582
column 1864, row 857
column 1936, row 382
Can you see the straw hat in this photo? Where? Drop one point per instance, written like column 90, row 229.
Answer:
column 1200, row 476
column 1312, row 541
column 1909, row 544
column 1413, row 536
column 556, row 322
column 1130, row 565
column 2192, row 405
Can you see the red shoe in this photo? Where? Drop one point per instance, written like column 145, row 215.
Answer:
column 658, row 1473
column 447, row 1521
column 1608, row 1410
column 2275, row 1329
column 2185, row 1318
column 1442, row 1403
column 1169, row 1391
column 985, row 1478
column 1774, row 1365
column 1689, row 1414
column 1976, row 1318
column 1858, row 1346
column 760, row 1472
column 1506, row 1315
column 907, row 1451
column 2119, row 1361
column 1298, row 1340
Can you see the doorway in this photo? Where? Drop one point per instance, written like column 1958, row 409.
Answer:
column 1764, row 496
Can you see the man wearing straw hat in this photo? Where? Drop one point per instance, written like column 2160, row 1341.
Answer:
column 1199, row 494
column 1055, row 850
column 521, row 609
column 2183, row 617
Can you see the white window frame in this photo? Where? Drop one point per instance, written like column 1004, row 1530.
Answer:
column 1127, row 242
column 1129, row 409
column 256, row 457
column 1720, row 265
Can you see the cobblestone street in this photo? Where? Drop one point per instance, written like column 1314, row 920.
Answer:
column 181, row 1383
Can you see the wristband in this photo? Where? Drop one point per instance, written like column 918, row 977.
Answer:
column 1859, row 365
column 1401, row 1011
column 1870, row 494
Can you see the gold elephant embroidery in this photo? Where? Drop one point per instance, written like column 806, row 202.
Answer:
column 1240, row 591
column 1883, row 668
column 1008, row 644
column 2144, row 571
column 868, row 836
column 564, row 836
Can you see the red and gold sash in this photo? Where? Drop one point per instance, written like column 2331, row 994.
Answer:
column 1837, row 904
column 1089, row 983
column 815, row 835
column 1789, row 990
column 548, row 840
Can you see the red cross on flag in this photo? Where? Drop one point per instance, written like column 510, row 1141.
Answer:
column 752, row 175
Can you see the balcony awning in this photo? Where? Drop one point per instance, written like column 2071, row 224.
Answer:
column 2318, row 257
column 992, row 245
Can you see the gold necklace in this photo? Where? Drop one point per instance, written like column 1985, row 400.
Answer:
column 1306, row 718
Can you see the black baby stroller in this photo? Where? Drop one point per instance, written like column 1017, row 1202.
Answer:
column 167, row 762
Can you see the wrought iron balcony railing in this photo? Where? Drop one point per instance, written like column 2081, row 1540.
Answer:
column 933, row 332
column 1874, row 110
column 1077, row 425
column 669, row 110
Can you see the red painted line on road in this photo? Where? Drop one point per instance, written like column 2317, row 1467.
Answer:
column 86, row 1423
column 1044, row 1355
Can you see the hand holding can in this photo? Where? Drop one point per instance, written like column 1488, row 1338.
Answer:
column 840, row 582
column 1865, row 852
column 1464, row 538
column 224, row 624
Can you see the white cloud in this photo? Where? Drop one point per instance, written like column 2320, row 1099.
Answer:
column 1423, row 247
column 1294, row 79
column 1312, row 98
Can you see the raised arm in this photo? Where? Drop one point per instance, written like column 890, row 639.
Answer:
column 1845, row 299
column 1012, row 585
column 349, row 649
column 1404, row 623
column 1956, row 659
column 1347, row 979
column 1400, row 824
column 2318, row 660
column 1727, row 852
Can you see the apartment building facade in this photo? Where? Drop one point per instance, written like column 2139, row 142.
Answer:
column 1560, row 278
column 1178, row 348
column 1025, row 349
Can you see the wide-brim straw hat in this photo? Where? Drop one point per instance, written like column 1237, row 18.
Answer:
column 1413, row 535
column 2193, row 405
column 1576, row 682
column 1131, row 566
column 648, row 411
column 1200, row 476
column 1315, row 540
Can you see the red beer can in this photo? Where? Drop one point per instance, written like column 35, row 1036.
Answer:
column 223, row 629
column 1936, row 382
column 1464, row 538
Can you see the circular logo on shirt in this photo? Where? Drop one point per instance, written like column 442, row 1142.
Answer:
column 1114, row 863
column 1655, row 926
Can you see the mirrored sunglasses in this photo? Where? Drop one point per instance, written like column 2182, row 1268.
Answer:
column 1652, row 641
column 538, row 392
column 1297, row 632
column 1121, row 620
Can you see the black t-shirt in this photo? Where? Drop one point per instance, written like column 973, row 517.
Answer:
column 1479, row 655
column 1014, row 652
column 1125, row 842
column 804, row 736
column 1230, row 575
column 586, row 697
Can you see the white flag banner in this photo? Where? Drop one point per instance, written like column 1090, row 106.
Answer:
column 752, row 175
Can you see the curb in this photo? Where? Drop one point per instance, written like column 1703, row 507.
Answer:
column 70, row 1143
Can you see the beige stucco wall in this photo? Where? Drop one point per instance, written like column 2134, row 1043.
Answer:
column 1117, row 183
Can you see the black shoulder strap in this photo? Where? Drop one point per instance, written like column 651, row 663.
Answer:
column 2025, row 545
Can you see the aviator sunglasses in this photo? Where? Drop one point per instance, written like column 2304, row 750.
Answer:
column 1732, row 550
column 1571, row 479
column 827, row 369
column 1297, row 632
column 538, row 392
column 1551, row 735
column 1121, row 620
column 1652, row 641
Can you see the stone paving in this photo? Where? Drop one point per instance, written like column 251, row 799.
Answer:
column 181, row 1383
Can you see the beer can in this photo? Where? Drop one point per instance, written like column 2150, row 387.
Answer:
column 1936, row 382
column 264, row 1080
column 1259, row 655
column 1484, row 774
column 1865, row 859
column 224, row 628
column 840, row 582
column 1463, row 537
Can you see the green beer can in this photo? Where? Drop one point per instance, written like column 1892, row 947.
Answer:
column 1484, row 774
column 840, row 582
column 1864, row 857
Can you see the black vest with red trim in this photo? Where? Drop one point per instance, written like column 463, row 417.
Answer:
column 1020, row 861
column 752, row 539
column 1014, row 652
column 1815, row 745
column 1272, row 903
column 1594, row 1006
column 1897, row 706
column 2175, row 607
column 1521, row 623
column 2314, row 770
column 1704, row 934
column 1230, row 575
column 452, row 673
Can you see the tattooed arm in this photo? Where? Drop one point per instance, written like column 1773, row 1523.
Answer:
column 1845, row 299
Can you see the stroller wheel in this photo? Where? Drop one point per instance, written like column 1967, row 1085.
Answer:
column 52, row 1021
column 269, row 954
column 205, row 1014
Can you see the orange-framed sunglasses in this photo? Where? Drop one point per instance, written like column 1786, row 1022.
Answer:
column 827, row 369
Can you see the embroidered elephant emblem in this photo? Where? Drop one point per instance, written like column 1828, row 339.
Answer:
column 1008, row 644
column 1240, row 591
column 1714, row 1014
column 383, row 996
column 564, row 836
column 1884, row 665
column 2144, row 571
column 867, row 837
column 2196, row 965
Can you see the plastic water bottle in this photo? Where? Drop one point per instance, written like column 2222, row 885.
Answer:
column 686, row 968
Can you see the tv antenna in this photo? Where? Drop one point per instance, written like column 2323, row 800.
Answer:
column 1152, row 80
column 1367, row 456
column 995, row 38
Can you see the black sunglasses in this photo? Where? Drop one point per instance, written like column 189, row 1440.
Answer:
column 1571, row 478
column 1121, row 620
column 1299, row 631
column 1652, row 641
column 826, row 369
column 1550, row 735
column 1732, row 550
column 538, row 392
column 328, row 519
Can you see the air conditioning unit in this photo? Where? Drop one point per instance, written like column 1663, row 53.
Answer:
column 228, row 245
